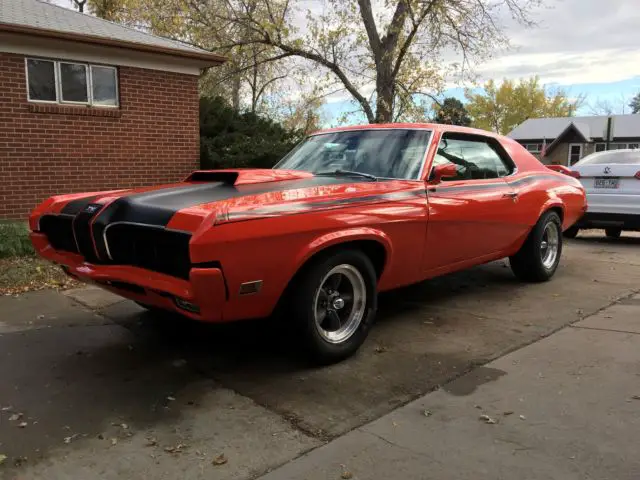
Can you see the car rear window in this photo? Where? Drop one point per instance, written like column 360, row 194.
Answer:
column 629, row 157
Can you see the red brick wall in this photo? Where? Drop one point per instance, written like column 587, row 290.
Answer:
column 49, row 149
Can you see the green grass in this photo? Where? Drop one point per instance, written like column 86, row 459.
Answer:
column 14, row 239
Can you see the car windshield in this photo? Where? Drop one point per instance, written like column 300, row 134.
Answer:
column 627, row 157
column 381, row 153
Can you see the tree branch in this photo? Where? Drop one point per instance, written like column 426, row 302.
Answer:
column 370, row 26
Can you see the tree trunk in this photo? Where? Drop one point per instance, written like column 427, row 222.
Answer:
column 385, row 92
column 235, row 93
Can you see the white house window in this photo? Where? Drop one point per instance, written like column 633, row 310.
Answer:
column 533, row 147
column 71, row 82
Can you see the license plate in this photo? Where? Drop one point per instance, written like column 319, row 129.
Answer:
column 606, row 183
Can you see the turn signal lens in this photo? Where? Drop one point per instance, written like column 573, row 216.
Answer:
column 637, row 175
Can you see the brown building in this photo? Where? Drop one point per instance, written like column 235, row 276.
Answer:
column 566, row 140
column 87, row 104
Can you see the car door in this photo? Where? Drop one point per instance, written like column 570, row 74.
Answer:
column 469, row 214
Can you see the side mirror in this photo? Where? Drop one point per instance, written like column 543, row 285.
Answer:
column 439, row 172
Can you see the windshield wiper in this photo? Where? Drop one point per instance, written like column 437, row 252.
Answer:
column 348, row 173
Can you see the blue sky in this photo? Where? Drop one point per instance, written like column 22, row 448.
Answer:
column 587, row 47
column 616, row 93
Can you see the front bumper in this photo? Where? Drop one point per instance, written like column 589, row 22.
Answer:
column 607, row 220
column 201, row 297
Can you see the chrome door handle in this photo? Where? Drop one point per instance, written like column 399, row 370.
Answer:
column 510, row 195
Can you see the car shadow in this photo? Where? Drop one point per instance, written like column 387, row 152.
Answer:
column 269, row 346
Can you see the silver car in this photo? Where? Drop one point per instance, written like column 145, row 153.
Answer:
column 611, row 180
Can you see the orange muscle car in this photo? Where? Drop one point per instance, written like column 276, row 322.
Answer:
column 348, row 213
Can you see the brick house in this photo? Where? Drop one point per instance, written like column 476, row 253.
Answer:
column 565, row 140
column 87, row 105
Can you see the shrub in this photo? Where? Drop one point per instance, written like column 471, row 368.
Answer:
column 230, row 139
column 14, row 239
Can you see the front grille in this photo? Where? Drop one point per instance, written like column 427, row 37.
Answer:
column 151, row 248
column 82, row 231
column 59, row 232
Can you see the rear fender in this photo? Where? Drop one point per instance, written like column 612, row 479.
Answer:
column 554, row 203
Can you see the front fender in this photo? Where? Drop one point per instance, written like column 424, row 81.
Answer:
column 327, row 240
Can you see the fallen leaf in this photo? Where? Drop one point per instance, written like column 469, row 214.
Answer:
column 381, row 349
column 2, row 458
column 100, row 436
column 175, row 449
column 124, row 426
column 69, row 439
column 522, row 417
column 114, row 441
column 40, row 317
column 427, row 413
column 220, row 460
column 478, row 407
column 635, row 397
column 15, row 416
column 22, row 424
column 171, row 399
column 6, row 409
column 487, row 419
column 151, row 442
column 509, row 412
column 19, row 461
column 346, row 475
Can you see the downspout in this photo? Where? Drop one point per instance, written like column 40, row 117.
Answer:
column 608, row 139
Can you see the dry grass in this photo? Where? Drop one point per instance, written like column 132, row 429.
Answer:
column 24, row 274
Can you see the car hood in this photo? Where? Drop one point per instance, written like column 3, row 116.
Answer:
column 215, row 197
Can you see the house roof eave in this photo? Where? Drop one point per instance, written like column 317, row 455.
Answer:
column 210, row 59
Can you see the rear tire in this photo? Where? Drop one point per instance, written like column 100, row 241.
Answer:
column 571, row 232
column 613, row 232
column 333, row 305
column 538, row 259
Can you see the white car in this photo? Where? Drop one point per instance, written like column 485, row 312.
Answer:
column 611, row 180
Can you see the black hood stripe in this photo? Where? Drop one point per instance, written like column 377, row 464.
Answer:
column 157, row 207
column 76, row 206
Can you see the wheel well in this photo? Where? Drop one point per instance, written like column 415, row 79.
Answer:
column 371, row 248
column 559, row 211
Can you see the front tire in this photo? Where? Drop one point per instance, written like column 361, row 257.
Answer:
column 613, row 232
column 538, row 259
column 333, row 305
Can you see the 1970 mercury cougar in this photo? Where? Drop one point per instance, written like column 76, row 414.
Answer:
column 348, row 213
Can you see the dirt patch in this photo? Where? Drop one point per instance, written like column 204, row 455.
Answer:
column 24, row 274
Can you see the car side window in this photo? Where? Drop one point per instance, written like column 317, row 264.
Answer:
column 474, row 158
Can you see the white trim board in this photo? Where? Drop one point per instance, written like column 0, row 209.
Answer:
column 66, row 50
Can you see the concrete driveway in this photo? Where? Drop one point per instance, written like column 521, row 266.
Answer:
column 93, row 387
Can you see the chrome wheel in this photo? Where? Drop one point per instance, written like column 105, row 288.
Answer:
column 340, row 303
column 549, row 245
